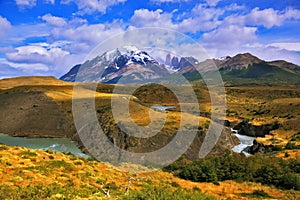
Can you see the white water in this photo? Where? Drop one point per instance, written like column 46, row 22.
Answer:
column 162, row 108
column 246, row 142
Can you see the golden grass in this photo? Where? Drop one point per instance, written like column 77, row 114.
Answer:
column 20, row 171
column 31, row 80
column 259, row 105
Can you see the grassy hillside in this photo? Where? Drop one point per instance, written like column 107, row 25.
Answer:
column 37, row 174
column 260, row 74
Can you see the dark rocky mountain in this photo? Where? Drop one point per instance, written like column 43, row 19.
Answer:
column 176, row 64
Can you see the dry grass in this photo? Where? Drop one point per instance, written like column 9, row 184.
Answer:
column 31, row 80
column 48, row 167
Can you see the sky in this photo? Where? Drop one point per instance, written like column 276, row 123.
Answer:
column 48, row 37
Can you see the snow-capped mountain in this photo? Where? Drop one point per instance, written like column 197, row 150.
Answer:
column 127, row 63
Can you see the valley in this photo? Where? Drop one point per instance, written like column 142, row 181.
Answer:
column 45, row 107
column 48, row 98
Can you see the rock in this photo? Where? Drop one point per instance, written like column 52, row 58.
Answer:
column 246, row 128
column 260, row 148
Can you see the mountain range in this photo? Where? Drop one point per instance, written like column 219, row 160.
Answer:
column 129, row 64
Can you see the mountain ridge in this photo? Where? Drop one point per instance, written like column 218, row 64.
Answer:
column 131, row 65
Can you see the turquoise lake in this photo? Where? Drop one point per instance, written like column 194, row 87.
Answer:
column 63, row 145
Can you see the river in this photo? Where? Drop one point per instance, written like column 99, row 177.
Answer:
column 246, row 142
column 56, row 144
column 162, row 108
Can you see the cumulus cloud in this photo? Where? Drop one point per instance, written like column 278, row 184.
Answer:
column 42, row 57
column 228, row 37
column 169, row 1
column 89, row 34
column 4, row 26
column 11, row 67
column 25, row 3
column 148, row 18
column 50, row 1
column 35, row 54
column 202, row 20
column 212, row 2
column 90, row 6
column 53, row 20
column 266, row 17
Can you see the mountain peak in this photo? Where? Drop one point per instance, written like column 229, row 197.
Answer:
column 246, row 56
column 127, row 61
column 240, row 61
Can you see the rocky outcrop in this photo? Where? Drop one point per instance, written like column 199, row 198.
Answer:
column 246, row 128
column 260, row 148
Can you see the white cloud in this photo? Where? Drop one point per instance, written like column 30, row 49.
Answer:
column 148, row 18
column 50, row 1
column 36, row 54
column 270, row 53
column 201, row 21
column 290, row 46
column 212, row 2
column 90, row 6
column 207, row 13
column 168, row 1
column 27, row 67
column 53, row 20
column 229, row 37
column 8, row 49
column 25, row 3
column 37, row 57
column 89, row 34
column 68, row 43
column 266, row 17
column 4, row 26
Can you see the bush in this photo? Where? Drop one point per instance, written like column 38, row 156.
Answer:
column 59, row 164
column 257, row 194
column 271, row 171
column 291, row 145
column 27, row 154
column 161, row 193
column 260, row 193
column 175, row 184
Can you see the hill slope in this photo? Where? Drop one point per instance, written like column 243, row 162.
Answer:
column 45, row 110
column 246, row 69
column 37, row 174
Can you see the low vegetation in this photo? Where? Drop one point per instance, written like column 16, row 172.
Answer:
column 36, row 174
column 284, row 174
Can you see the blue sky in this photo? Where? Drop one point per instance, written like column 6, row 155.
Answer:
column 48, row 37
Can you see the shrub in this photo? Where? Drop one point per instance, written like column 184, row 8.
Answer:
column 3, row 147
column 161, row 193
column 291, row 145
column 111, row 186
column 59, row 164
column 175, row 184
column 271, row 171
column 27, row 154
